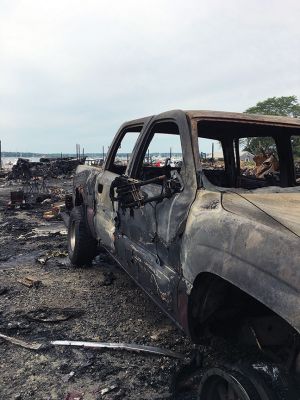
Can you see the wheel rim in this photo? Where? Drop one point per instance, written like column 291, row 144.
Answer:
column 224, row 390
column 72, row 236
column 220, row 385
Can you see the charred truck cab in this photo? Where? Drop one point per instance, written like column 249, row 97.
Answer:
column 212, row 236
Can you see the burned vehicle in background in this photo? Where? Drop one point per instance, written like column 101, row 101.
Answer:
column 214, row 243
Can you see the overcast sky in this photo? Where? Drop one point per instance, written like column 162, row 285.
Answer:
column 72, row 71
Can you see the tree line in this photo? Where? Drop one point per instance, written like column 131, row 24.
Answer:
column 287, row 106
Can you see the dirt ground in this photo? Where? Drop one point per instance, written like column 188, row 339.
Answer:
column 99, row 303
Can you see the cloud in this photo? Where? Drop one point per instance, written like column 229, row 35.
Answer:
column 72, row 72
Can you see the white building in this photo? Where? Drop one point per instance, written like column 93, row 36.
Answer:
column 246, row 156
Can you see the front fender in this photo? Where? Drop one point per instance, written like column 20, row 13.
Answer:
column 84, row 192
column 84, row 183
column 258, row 259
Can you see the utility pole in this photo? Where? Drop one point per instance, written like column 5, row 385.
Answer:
column 103, row 152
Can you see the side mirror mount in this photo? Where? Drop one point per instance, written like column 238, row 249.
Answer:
column 127, row 191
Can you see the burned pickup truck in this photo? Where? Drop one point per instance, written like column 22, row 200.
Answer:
column 212, row 237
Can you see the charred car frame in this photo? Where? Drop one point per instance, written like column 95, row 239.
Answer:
column 218, row 250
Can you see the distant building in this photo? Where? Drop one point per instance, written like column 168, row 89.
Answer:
column 246, row 156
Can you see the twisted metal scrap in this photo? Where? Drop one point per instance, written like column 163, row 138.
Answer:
column 120, row 346
column 95, row 345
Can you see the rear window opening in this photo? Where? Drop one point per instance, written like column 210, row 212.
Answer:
column 249, row 156
column 257, row 162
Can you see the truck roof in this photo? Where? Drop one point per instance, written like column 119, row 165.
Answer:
column 209, row 115
column 243, row 117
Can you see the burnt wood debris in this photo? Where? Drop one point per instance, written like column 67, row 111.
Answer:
column 46, row 167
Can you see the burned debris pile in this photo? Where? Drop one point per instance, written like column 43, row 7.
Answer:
column 265, row 164
column 46, row 167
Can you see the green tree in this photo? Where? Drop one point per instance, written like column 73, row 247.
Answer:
column 287, row 106
column 258, row 145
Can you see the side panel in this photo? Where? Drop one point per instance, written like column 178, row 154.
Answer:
column 262, row 261
column 136, row 246
column 139, row 224
column 159, row 281
column 104, row 219
column 149, row 237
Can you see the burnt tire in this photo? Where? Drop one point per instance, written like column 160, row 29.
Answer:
column 224, row 384
column 82, row 247
column 260, row 381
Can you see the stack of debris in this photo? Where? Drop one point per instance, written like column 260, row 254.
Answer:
column 265, row 164
column 46, row 167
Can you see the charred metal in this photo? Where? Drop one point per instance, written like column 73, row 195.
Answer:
column 214, row 244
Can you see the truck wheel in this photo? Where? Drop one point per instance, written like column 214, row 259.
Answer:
column 81, row 245
column 223, row 384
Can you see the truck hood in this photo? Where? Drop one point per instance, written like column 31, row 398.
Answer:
column 278, row 210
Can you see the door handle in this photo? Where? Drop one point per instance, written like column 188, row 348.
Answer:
column 100, row 188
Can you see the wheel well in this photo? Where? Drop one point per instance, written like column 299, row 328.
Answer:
column 217, row 307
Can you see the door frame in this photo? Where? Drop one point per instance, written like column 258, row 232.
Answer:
column 105, row 212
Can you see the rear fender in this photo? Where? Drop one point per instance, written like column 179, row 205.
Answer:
column 256, row 259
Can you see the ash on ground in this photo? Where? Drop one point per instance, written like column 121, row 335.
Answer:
column 105, row 306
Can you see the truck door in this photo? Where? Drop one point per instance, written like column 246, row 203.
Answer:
column 165, row 176
column 115, row 165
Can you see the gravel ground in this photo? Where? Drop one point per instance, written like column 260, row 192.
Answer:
column 101, row 303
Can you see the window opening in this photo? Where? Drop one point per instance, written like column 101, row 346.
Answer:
column 212, row 160
column 123, row 151
column 259, row 162
column 163, row 154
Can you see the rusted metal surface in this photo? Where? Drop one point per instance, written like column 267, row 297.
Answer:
column 267, row 165
column 243, row 117
column 238, row 235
